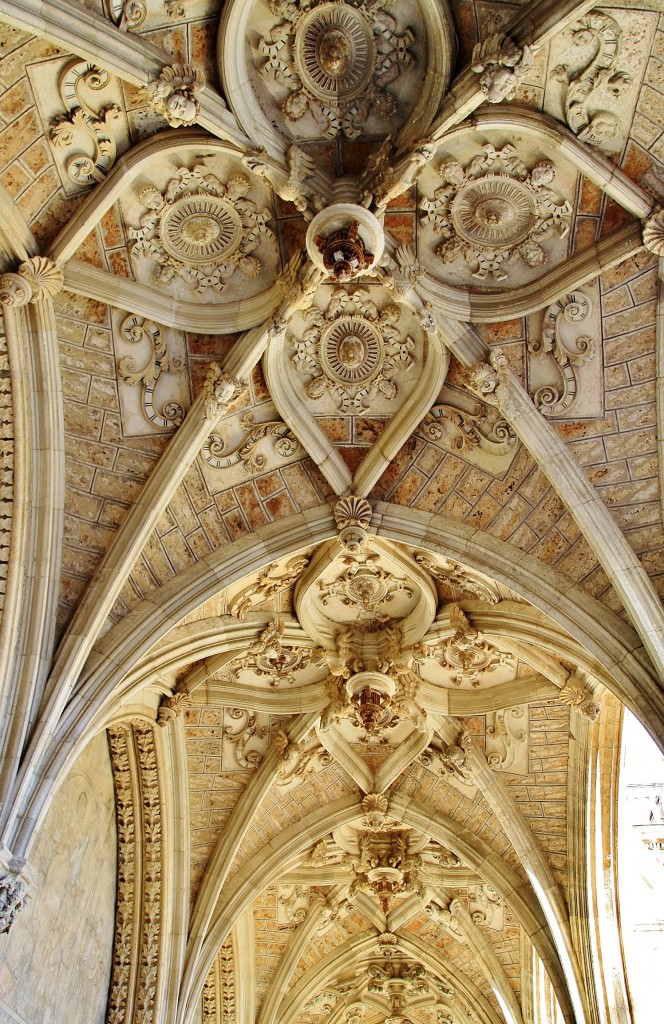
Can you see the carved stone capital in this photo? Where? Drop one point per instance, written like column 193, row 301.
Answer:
column 13, row 897
column 220, row 390
column 37, row 278
column 14, row 290
column 578, row 696
column 172, row 707
column 43, row 276
column 173, row 93
column 653, row 232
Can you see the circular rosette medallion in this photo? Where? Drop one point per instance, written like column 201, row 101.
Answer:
column 201, row 229
column 334, row 53
column 494, row 212
column 351, row 350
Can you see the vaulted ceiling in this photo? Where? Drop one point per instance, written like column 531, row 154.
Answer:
column 332, row 518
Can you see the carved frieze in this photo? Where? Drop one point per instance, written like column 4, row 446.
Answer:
column 353, row 350
column 495, row 211
column 335, row 61
column 201, row 229
column 139, row 888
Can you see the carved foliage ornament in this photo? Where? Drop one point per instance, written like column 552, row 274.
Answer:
column 462, row 431
column 598, row 82
column 467, row 654
column 364, row 587
column 201, row 228
column 494, row 211
column 82, row 125
column 336, row 61
column 458, row 577
column 13, row 898
column 173, row 94
column 271, row 658
column 352, row 350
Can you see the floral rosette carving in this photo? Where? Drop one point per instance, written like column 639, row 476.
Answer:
column 495, row 211
column 336, row 61
column 201, row 229
column 353, row 350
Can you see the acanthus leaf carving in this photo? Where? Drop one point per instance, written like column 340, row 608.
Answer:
column 494, row 211
column 82, row 122
column 173, row 93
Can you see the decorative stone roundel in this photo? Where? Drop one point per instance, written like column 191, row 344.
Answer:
column 351, row 350
column 494, row 211
column 334, row 52
column 199, row 229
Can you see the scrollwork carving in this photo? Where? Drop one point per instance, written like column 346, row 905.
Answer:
column 575, row 308
column 136, row 329
column 245, row 453
column 83, row 123
column 598, row 78
column 270, row 581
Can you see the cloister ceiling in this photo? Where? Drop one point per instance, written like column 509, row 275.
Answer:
column 330, row 378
